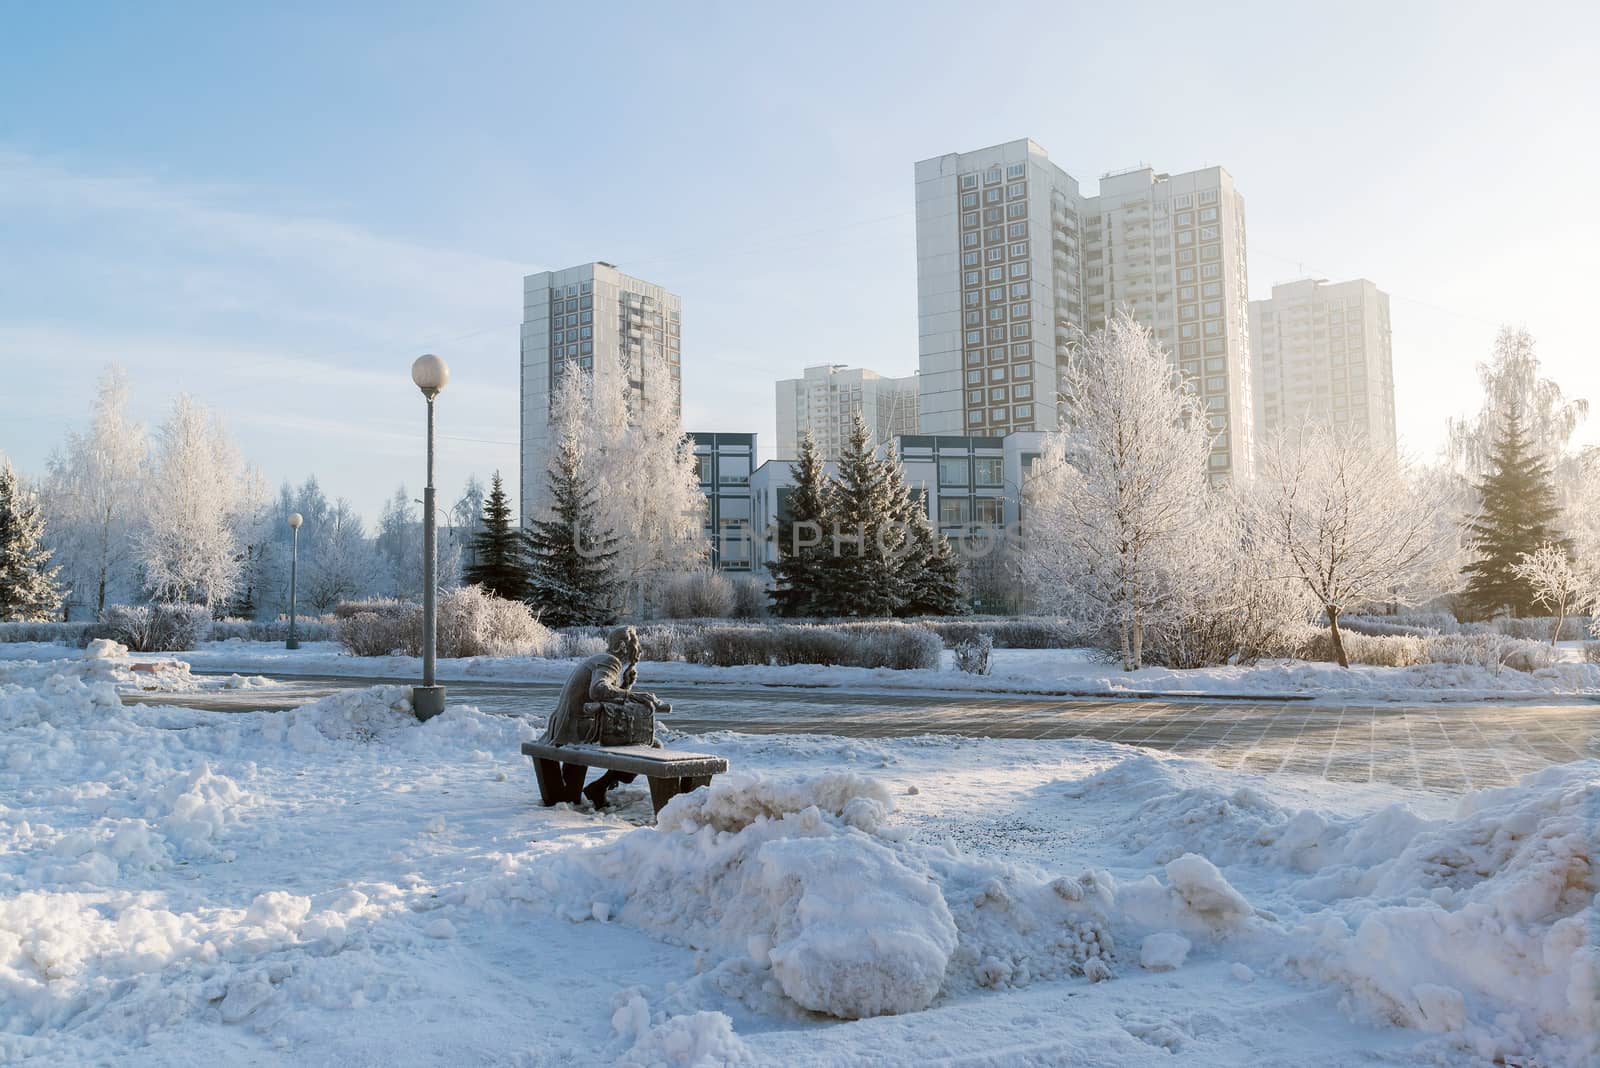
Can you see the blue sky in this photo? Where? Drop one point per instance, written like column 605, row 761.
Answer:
column 276, row 208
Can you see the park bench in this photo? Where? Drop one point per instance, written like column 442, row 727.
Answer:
column 561, row 769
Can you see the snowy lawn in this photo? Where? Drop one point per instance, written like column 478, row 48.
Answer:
column 1072, row 672
column 340, row 884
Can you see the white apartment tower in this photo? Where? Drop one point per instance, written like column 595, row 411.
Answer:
column 826, row 400
column 596, row 318
column 998, row 288
column 1323, row 355
column 1012, row 260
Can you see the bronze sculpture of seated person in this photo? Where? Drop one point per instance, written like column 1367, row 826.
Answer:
column 599, row 705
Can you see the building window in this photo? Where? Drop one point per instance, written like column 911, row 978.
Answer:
column 975, row 416
column 997, row 374
column 988, row 471
column 1019, row 269
column 1022, row 370
column 705, row 465
column 1016, row 170
column 1019, row 248
column 974, row 378
column 953, row 511
column 1023, row 391
column 1017, row 229
column 1019, row 291
column 1020, row 311
column 1022, row 350
column 1015, row 190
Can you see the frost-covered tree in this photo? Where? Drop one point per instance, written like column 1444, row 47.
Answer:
column 1112, row 510
column 345, row 565
column 570, row 551
column 28, row 588
column 400, row 547
column 802, row 525
column 190, row 546
column 1556, row 583
column 93, row 496
column 634, row 453
column 501, row 566
column 1517, row 512
column 1347, row 520
column 1511, row 382
column 465, row 520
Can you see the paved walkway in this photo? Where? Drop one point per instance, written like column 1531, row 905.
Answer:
column 1444, row 747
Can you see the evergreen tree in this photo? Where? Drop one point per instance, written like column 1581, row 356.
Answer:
column 862, row 576
column 28, row 589
column 499, row 564
column 806, row 516
column 570, row 576
column 931, row 571
column 1518, row 513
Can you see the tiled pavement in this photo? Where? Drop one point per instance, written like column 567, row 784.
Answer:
column 1441, row 747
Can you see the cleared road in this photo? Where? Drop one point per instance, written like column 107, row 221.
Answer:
column 1444, row 747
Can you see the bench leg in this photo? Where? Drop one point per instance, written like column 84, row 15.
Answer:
column 572, row 776
column 693, row 782
column 548, row 773
column 661, row 791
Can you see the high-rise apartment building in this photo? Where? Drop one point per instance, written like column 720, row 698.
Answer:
column 1013, row 260
column 998, row 288
column 826, row 400
column 609, row 324
column 1323, row 355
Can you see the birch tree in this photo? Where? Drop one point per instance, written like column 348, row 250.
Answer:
column 1117, row 498
column 632, row 449
column 190, row 547
column 1347, row 521
column 93, row 496
column 1556, row 583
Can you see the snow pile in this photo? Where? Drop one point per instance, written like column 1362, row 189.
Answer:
column 694, row 1040
column 1239, row 825
column 803, row 891
column 368, row 715
column 104, row 649
column 1485, row 925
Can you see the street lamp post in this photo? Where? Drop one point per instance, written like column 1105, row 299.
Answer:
column 430, row 373
column 294, row 566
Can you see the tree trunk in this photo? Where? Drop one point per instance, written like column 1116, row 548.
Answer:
column 1561, row 617
column 1338, row 640
column 1138, row 643
column 1122, row 634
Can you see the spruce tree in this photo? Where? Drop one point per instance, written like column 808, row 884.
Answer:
column 871, row 503
column 570, row 579
column 499, row 563
column 805, row 516
column 28, row 588
column 931, row 571
column 1518, row 512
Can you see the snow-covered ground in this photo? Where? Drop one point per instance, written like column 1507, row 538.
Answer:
column 1075, row 672
column 340, row 884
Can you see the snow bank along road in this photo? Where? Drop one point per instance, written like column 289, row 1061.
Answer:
column 1450, row 748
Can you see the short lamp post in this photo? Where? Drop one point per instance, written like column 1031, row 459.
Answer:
column 430, row 373
column 294, row 566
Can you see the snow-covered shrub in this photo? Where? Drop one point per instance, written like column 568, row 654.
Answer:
column 474, row 622
column 1391, row 651
column 972, row 654
column 272, row 630
column 381, row 606
column 697, row 595
column 375, row 634
column 1491, row 652
column 1591, row 652
column 1538, row 628
column 167, row 628
column 750, row 599
column 900, row 646
column 570, row 645
column 63, row 633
